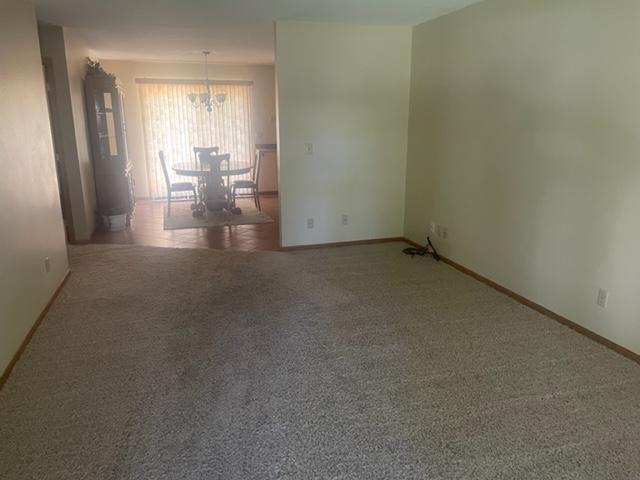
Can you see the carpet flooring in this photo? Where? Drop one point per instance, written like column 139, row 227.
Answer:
column 346, row 363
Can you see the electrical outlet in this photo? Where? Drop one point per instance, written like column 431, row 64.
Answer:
column 47, row 264
column 345, row 219
column 308, row 147
column 309, row 222
column 603, row 298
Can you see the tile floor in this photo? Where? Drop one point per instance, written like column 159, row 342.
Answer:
column 147, row 229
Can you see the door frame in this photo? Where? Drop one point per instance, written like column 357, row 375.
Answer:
column 58, row 149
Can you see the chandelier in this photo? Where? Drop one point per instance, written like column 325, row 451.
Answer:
column 206, row 99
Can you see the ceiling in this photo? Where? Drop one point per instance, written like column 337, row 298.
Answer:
column 236, row 31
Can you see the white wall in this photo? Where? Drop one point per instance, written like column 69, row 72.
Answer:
column 264, row 121
column 68, row 56
column 344, row 89
column 524, row 144
column 76, row 55
column 30, row 217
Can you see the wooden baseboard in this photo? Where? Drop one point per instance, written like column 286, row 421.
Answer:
column 412, row 243
column 540, row 309
column 32, row 331
column 342, row 244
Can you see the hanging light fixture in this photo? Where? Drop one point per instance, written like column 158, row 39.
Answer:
column 205, row 99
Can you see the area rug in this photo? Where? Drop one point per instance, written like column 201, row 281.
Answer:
column 349, row 363
column 181, row 218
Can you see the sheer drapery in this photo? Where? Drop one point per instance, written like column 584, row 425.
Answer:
column 173, row 125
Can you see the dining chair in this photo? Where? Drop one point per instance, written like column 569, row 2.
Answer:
column 252, row 184
column 175, row 187
column 207, row 151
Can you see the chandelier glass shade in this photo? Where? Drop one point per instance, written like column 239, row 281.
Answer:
column 206, row 99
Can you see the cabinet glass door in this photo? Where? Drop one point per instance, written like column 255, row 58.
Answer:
column 110, row 125
column 106, row 124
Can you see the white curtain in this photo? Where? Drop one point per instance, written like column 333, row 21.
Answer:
column 173, row 125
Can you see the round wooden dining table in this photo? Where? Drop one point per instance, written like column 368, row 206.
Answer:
column 191, row 170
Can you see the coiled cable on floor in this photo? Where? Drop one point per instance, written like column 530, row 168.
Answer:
column 428, row 251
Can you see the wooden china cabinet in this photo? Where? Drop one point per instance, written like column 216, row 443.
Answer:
column 112, row 170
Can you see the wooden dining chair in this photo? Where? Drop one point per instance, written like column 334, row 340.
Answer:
column 175, row 187
column 206, row 151
column 252, row 184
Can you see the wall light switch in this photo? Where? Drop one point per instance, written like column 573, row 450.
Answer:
column 309, row 222
column 47, row 264
column 308, row 147
column 345, row 219
column 433, row 227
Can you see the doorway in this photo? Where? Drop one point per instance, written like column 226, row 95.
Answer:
column 56, row 134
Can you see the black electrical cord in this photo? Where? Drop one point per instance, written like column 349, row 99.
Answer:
column 428, row 251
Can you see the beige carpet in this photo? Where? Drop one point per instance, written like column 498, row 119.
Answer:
column 348, row 363
column 181, row 218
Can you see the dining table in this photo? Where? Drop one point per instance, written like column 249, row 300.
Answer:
column 192, row 170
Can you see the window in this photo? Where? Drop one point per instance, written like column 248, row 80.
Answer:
column 173, row 125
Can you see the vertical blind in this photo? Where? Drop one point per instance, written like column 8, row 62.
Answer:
column 172, row 124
